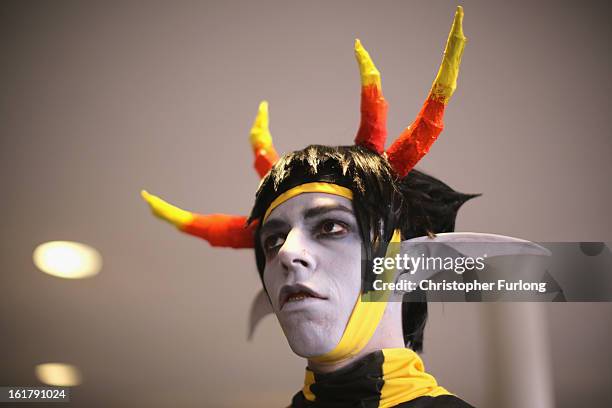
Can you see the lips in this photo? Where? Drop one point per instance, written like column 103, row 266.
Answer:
column 297, row 293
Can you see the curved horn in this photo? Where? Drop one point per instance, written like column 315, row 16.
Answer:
column 415, row 140
column 219, row 230
column 261, row 141
column 372, row 132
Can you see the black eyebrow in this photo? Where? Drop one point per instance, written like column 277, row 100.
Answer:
column 276, row 224
column 323, row 209
column 273, row 224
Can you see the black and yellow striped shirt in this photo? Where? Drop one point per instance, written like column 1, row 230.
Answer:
column 389, row 378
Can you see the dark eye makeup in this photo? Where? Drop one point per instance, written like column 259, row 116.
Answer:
column 273, row 242
column 331, row 228
column 328, row 228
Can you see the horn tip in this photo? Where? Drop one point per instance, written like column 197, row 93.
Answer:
column 145, row 195
column 458, row 22
column 260, row 133
column 262, row 113
column 368, row 71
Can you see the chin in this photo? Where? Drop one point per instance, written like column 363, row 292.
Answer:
column 308, row 340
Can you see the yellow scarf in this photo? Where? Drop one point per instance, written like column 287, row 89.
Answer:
column 388, row 376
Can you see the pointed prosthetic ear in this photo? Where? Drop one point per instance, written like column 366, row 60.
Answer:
column 372, row 132
column 415, row 140
column 453, row 245
column 261, row 141
column 219, row 230
column 501, row 258
column 260, row 308
column 472, row 243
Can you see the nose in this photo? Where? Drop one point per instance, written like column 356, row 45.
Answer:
column 295, row 254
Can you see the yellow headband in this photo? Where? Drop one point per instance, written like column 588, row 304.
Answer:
column 316, row 187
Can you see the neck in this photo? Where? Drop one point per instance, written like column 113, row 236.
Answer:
column 388, row 334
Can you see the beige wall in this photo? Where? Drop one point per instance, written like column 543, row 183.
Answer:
column 102, row 99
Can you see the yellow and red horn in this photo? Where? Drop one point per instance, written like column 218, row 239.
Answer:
column 219, row 230
column 415, row 140
column 372, row 132
column 261, row 141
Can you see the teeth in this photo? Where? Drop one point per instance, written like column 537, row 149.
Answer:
column 297, row 297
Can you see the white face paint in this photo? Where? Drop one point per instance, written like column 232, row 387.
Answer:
column 313, row 269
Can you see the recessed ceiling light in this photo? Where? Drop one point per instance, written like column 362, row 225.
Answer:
column 58, row 374
column 66, row 259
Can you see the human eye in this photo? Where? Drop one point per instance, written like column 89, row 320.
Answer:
column 273, row 242
column 331, row 229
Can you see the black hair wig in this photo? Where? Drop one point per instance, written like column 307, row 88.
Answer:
column 418, row 205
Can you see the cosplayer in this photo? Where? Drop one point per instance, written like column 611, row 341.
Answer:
column 316, row 212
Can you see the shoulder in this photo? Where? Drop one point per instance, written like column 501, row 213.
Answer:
column 442, row 401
